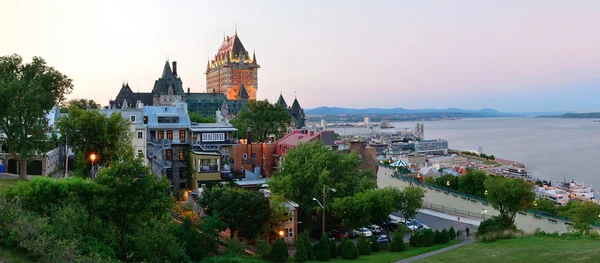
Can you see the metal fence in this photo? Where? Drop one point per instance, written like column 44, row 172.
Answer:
column 453, row 210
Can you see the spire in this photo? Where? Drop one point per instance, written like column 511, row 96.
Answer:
column 236, row 28
column 296, row 106
column 243, row 93
column 254, row 58
column 167, row 69
column 281, row 101
column 208, row 65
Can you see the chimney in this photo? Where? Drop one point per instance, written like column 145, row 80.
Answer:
column 188, row 91
column 249, row 136
column 218, row 117
column 175, row 68
column 140, row 104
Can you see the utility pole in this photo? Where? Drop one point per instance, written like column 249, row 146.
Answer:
column 67, row 155
column 324, row 197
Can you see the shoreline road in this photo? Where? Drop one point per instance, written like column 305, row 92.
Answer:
column 524, row 222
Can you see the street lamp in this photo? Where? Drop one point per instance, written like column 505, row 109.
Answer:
column 93, row 158
column 448, row 184
column 324, row 203
column 281, row 233
column 483, row 211
column 535, row 209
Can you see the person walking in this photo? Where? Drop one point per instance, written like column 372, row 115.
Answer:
column 467, row 230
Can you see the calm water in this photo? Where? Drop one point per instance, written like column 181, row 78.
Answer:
column 549, row 148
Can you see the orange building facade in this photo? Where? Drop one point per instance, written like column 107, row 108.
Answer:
column 232, row 71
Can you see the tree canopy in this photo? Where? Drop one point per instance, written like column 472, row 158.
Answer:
column 199, row 118
column 509, row 196
column 411, row 201
column 473, row 183
column 29, row 91
column 371, row 206
column 310, row 166
column 82, row 104
column 263, row 119
column 583, row 215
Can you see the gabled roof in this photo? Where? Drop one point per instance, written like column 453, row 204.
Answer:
column 243, row 93
column 167, row 72
column 296, row 106
column 281, row 101
column 231, row 45
column 153, row 112
column 167, row 80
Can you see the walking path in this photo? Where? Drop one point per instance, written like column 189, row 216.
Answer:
column 465, row 241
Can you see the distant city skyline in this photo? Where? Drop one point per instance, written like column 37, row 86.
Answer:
column 511, row 56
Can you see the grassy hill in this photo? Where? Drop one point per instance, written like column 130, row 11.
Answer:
column 527, row 249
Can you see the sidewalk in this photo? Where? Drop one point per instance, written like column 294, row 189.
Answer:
column 460, row 219
column 465, row 241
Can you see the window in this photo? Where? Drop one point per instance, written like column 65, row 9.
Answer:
column 181, row 157
column 173, row 119
column 161, row 135
column 169, row 174
column 140, row 135
column 213, row 137
column 253, row 156
column 140, row 154
column 225, row 151
column 290, row 232
column 208, row 165
column 245, row 156
column 169, row 154
column 170, row 98
column 132, row 118
column 182, row 173
column 170, row 135
column 182, row 135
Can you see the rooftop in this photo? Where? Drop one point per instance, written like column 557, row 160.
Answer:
column 298, row 136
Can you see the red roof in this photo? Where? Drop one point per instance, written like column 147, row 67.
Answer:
column 231, row 45
column 293, row 139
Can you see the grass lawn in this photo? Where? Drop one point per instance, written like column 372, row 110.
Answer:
column 5, row 183
column 528, row 249
column 10, row 256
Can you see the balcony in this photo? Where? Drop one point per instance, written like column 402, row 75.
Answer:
column 159, row 142
column 209, row 169
column 225, row 142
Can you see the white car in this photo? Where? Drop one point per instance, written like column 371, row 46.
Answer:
column 375, row 229
column 394, row 220
column 411, row 226
column 365, row 231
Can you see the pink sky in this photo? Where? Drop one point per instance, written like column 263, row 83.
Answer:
column 532, row 55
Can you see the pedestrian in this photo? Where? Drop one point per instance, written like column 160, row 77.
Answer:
column 467, row 230
column 459, row 219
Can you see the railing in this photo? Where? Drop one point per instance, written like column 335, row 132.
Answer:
column 453, row 210
column 455, row 193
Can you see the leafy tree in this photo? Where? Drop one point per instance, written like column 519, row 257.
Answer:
column 154, row 242
column 199, row 118
column 349, row 251
column 210, row 227
column 444, row 236
column 263, row 249
column 443, row 181
column 584, row 214
column 545, row 205
column 373, row 243
column 279, row 251
column 436, row 237
column 333, row 249
column 373, row 206
column 243, row 211
column 397, row 244
column 29, row 91
column 472, row 183
column 263, row 118
column 411, row 201
column 451, row 233
column 427, row 238
column 305, row 239
column 310, row 166
column 90, row 131
column 430, row 180
column 82, row 104
column 323, row 251
column 300, row 255
column 363, row 245
column 492, row 224
column 509, row 196
column 279, row 213
column 187, row 233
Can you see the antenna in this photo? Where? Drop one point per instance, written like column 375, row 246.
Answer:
column 236, row 28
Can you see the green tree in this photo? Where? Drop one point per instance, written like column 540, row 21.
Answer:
column 397, row 244
column 279, row 251
column 310, row 166
column 199, row 118
column 323, row 251
column 545, row 205
column 333, row 249
column 244, row 212
column 210, row 227
column 584, row 214
column 371, row 206
column 374, row 244
column 349, row 251
column 90, row 131
column 300, row 255
column 411, row 201
column 444, row 236
column 363, row 245
column 189, row 235
column 305, row 239
column 154, row 242
column 279, row 213
column 472, row 183
column 430, row 180
column 452, row 233
column 427, row 238
column 263, row 249
column 436, row 237
column 263, row 118
column 83, row 104
column 29, row 91
column 509, row 196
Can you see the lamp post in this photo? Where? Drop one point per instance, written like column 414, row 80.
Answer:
column 535, row 208
column 324, row 203
column 93, row 158
column 448, row 184
column 281, row 233
column 483, row 211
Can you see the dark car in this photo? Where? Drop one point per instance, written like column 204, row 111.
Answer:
column 383, row 239
column 339, row 234
column 353, row 234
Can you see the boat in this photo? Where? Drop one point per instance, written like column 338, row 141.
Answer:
column 516, row 171
column 385, row 124
column 578, row 190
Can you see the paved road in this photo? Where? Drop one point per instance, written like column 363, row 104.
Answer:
column 439, row 223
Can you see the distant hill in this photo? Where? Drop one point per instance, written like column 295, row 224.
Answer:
column 590, row 115
column 338, row 110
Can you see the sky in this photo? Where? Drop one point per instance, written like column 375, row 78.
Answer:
column 508, row 55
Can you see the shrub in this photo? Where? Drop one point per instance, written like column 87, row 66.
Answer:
column 426, row 240
column 305, row 239
column 333, row 249
column 397, row 244
column 235, row 248
column 349, row 251
column 343, row 242
column 497, row 235
column 374, row 244
column 451, row 233
column 444, row 238
column 263, row 249
column 300, row 255
column 363, row 246
column 415, row 239
column 436, row 237
column 279, row 252
column 322, row 250
column 492, row 224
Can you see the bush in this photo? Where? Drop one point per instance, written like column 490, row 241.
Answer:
column 349, row 251
column 235, row 248
column 397, row 244
column 451, row 233
column 333, row 249
column 322, row 250
column 300, row 255
column 374, row 244
column 363, row 246
column 426, row 239
column 444, row 238
column 263, row 249
column 279, row 251
column 492, row 224
column 497, row 235
column 305, row 239
column 436, row 237
column 343, row 242
column 415, row 239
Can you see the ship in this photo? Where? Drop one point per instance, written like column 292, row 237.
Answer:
column 578, row 190
column 385, row 124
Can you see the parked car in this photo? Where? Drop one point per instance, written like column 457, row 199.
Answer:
column 330, row 235
column 353, row 234
column 396, row 220
column 419, row 224
column 411, row 226
column 339, row 234
column 375, row 229
column 365, row 231
column 383, row 239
